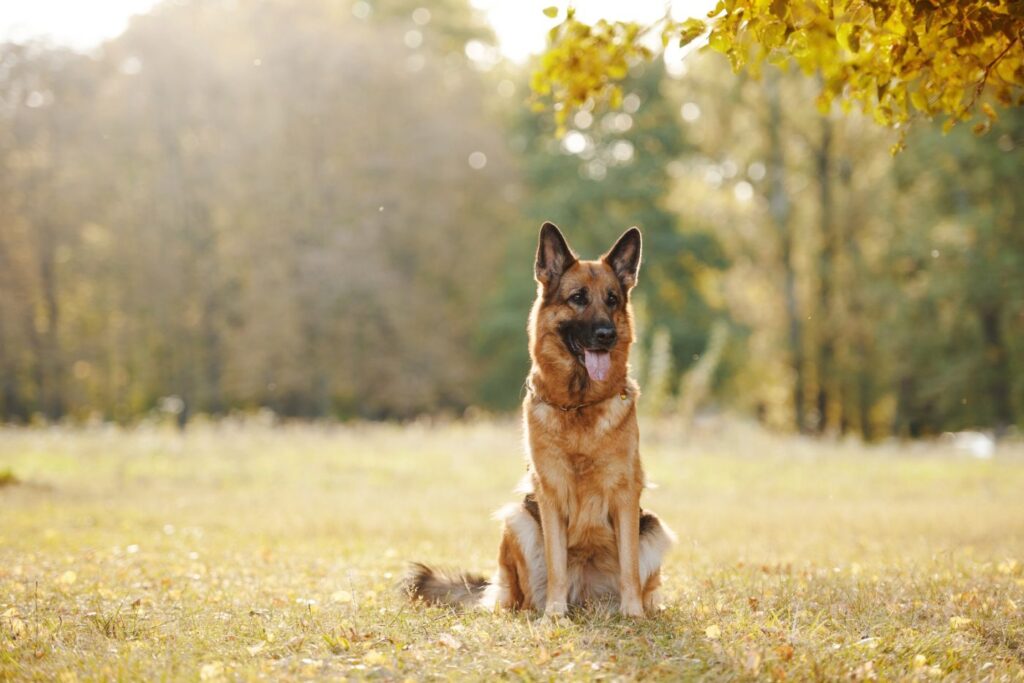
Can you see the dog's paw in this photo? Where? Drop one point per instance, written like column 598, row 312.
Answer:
column 554, row 611
column 631, row 608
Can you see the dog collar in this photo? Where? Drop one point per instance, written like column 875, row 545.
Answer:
column 622, row 396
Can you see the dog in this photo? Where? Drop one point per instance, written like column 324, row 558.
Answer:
column 579, row 536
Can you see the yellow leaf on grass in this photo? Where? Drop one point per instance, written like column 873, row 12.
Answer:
column 958, row 622
column 211, row 671
column 17, row 627
column 713, row 632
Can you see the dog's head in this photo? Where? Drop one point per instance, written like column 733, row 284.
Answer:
column 582, row 307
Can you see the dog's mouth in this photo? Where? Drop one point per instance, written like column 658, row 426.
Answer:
column 590, row 353
column 598, row 362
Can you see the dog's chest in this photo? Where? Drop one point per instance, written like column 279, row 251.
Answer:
column 588, row 502
column 587, row 457
column 609, row 425
column 586, row 461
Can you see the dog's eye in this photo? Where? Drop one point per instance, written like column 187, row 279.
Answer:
column 579, row 298
column 612, row 300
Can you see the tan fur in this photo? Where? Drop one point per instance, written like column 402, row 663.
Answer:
column 580, row 536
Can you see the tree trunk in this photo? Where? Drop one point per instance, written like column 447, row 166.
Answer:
column 827, row 418
column 51, row 374
column 695, row 384
column 998, row 370
column 779, row 207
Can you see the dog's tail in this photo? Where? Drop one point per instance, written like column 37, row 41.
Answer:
column 436, row 587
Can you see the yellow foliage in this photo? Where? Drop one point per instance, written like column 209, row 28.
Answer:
column 584, row 63
column 898, row 59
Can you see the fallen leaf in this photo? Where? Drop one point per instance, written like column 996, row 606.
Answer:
column 448, row 640
column 17, row 627
column 211, row 671
column 785, row 652
column 958, row 622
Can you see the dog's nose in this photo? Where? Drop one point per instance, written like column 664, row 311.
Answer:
column 605, row 334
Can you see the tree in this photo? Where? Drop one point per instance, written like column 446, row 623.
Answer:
column 896, row 58
column 276, row 204
column 957, row 260
column 797, row 285
column 608, row 173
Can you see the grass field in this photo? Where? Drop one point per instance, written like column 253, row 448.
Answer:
column 245, row 552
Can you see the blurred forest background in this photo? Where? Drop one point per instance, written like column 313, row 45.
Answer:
column 330, row 209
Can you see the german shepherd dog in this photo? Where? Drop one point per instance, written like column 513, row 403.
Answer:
column 579, row 536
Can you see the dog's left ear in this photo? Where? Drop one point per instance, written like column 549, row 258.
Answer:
column 554, row 256
column 624, row 257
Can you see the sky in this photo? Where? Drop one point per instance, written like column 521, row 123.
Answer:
column 520, row 25
column 76, row 23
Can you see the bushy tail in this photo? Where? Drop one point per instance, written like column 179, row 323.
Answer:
column 437, row 587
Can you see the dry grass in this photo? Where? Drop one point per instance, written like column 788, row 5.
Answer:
column 238, row 552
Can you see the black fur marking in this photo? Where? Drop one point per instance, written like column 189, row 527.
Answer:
column 579, row 381
column 574, row 334
column 648, row 523
column 530, row 503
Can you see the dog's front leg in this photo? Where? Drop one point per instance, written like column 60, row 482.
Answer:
column 628, row 537
column 556, row 555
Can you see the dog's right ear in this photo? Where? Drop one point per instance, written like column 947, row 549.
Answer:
column 554, row 256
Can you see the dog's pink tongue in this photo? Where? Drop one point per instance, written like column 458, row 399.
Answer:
column 597, row 363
